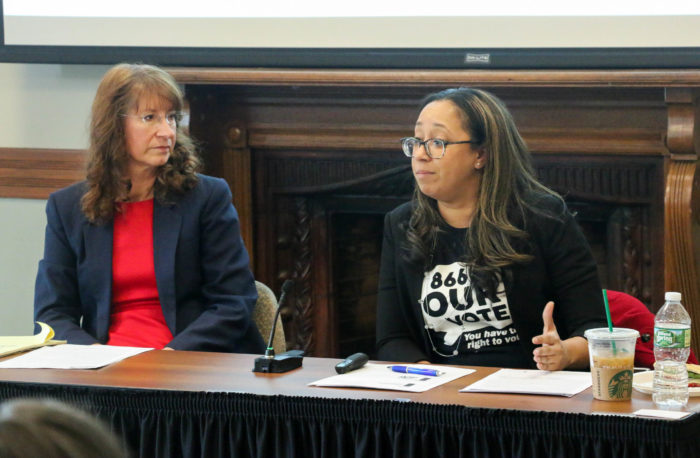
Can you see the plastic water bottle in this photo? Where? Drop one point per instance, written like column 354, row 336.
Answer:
column 671, row 350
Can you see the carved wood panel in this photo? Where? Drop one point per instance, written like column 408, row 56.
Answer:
column 318, row 149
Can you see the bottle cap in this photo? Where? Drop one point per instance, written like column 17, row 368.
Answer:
column 672, row 296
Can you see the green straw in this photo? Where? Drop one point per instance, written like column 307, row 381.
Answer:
column 607, row 314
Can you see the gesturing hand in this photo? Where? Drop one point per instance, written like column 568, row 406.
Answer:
column 552, row 355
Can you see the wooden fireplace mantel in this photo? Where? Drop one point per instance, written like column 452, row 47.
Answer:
column 447, row 78
column 314, row 139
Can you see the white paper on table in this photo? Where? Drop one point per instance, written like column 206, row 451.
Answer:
column 379, row 376
column 70, row 356
column 666, row 414
column 530, row 381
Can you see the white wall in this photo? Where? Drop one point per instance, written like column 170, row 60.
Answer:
column 42, row 106
column 21, row 245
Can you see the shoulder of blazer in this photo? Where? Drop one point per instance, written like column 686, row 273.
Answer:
column 69, row 195
column 401, row 214
column 207, row 182
column 206, row 185
column 199, row 194
column 67, row 202
column 546, row 214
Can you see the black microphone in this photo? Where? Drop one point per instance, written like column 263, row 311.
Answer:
column 286, row 286
column 286, row 361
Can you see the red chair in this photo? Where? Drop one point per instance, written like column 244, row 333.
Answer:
column 629, row 312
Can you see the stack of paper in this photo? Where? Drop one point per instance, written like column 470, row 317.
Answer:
column 525, row 381
column 72, row 357
column 15, row 344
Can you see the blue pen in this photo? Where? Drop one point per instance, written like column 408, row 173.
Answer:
column 415, row 370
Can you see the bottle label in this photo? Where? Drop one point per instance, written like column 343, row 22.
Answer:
column 672, row 337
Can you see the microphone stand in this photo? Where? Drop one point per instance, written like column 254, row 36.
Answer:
column 287, row 361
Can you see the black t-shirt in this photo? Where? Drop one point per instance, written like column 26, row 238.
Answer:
column 464, row 326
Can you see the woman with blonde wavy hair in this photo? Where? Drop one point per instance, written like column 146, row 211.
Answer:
column 145, row 252
column 472, row 267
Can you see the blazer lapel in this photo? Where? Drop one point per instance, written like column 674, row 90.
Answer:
column 98, row 262
column 166, row 231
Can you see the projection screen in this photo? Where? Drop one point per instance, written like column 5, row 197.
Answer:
column 379, row 33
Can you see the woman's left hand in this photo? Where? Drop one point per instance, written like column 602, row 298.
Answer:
column 553, row 354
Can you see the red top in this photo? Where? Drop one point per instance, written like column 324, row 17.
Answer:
column 137, row 318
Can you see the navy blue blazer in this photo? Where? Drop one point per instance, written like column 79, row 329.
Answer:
column 205, row 286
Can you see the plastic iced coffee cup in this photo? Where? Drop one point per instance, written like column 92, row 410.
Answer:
column 612, row 362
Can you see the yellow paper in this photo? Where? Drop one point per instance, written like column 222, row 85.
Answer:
column 14, row 344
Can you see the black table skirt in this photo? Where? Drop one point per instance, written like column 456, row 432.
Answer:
column 156, row 423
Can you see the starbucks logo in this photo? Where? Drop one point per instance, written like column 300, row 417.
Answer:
column 620, row 386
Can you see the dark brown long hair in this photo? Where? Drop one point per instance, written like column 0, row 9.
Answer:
column 495, row 238
column 107, row 183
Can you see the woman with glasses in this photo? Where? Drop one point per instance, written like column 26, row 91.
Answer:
column 485, row 266
column 145, row 252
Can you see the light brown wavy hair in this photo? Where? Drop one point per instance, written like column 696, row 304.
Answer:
column 119, row 92
column 44, row 427
column 508, row 190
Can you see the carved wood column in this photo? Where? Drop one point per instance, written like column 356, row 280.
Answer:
column 237, row 171
column 682, row 252
column 223, row 142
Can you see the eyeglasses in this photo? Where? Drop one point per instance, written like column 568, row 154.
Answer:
column 434, row 147
column 151, row 120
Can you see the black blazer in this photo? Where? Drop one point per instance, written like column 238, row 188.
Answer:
column 562, row 270
column 205, row 287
